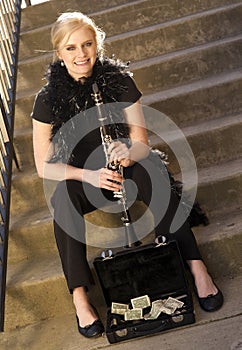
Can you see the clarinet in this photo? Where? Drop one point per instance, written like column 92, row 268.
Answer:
column 130, row 236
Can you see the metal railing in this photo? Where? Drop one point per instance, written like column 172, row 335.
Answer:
column 10, row 14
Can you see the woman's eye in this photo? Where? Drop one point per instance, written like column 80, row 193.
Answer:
column 71, row 48
column 88, row 44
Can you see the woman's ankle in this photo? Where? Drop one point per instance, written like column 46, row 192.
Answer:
column 203, row 281
column 80, row 296
column 84, row 310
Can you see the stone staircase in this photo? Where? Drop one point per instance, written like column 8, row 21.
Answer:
column 186, row 59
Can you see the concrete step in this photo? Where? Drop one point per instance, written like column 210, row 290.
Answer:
column 36, row 288
column 113, row 21
column 176, row 35
column 61, row 332
column 38, row 226
column 202, row 137
column 206, row 139
column 150, row 41
column 220, row 186
column 190, row 103
column 36, row 42
column 104, row 11
column 24, row 148
column 203, row 100
column 31, row 236
column 27, row 193
column 185, row 66
column 216, row 189
column 46, row 13
column 31, row 284
column 23, row 109
column 49, row 335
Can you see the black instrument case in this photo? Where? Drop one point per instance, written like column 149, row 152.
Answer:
column 156, row 270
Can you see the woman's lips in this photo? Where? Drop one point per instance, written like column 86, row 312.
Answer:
column 81, row 63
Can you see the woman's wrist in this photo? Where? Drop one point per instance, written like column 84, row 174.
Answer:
column 86, row 175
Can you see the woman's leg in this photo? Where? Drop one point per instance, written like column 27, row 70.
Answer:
column 184, row 235
column 154, row 190
column 84, row 311
column 70, row 204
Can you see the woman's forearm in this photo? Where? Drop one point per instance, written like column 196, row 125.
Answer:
column 60, row 171
column 102, row 178
column 138, row 151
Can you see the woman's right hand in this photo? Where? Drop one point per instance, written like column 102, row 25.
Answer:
column 103, row 178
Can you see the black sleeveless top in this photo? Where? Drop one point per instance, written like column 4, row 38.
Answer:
column 70, row 109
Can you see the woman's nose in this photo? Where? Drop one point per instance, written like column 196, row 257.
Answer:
column 81, row 51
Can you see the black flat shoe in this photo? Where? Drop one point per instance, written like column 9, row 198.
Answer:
column 93, row 330
column 211, row 302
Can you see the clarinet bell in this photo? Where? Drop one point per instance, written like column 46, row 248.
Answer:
column 130, row 237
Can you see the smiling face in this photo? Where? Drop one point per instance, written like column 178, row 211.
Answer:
column 79, row 52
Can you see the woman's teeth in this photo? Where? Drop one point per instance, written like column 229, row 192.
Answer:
column 80, row 63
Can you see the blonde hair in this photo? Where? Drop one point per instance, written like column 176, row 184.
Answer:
column 69, row 22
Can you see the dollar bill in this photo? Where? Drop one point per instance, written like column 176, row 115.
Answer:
column 133, row 314
column 156, row 309
column 172, row 302
column 158, row 303
column 119, row 311
column 167, row 306
column 140, row 302
column 118, row 308
column 153, row 314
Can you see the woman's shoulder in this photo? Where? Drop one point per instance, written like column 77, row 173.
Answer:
column 42, row 110
column 43, row 94
column 119, row 78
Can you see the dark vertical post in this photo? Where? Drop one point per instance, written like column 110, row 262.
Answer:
column 10, row 13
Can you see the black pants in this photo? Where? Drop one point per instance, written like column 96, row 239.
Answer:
column 70, row 203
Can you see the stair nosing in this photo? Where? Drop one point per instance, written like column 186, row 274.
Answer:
column 39, row 271
column 90, row 14
column 183, row 52
column 109, row 10
column 172, row 22
column 212, row 124
column 160, row 95
column 146, row 29
column 215, row 80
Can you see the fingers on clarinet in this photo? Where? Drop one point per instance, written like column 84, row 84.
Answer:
column 111, row 147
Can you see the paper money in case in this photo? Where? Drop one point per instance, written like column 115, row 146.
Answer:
column 133, row 314
column 141, row 302
column 119, row 308
column 159, row 273
column 171, row 305
column 156, row 309
column 167, row 306
column 172, row 302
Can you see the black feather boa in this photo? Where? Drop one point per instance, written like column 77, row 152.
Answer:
column 68, row 97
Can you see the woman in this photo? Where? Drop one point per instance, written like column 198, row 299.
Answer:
column 78, row 63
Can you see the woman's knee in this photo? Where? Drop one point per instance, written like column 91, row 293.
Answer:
column 66, row 190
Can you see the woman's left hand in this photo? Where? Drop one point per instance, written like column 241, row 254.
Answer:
column 119, row 152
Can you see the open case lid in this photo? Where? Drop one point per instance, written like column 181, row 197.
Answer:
column 156, row 270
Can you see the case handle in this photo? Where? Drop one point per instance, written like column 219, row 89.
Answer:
column 141, row 331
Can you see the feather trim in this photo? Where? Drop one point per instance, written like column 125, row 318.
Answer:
column 68, row 97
